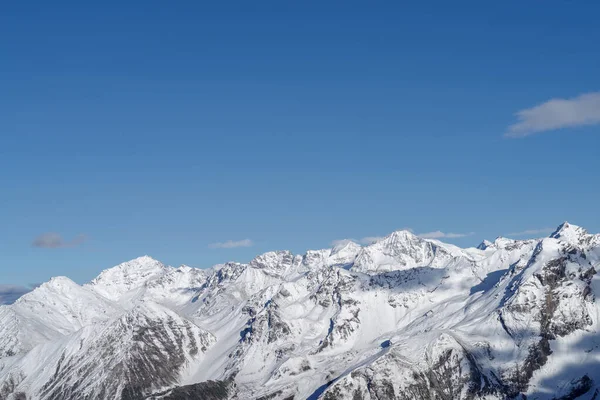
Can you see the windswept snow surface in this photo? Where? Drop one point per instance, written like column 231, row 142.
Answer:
column 402, row 318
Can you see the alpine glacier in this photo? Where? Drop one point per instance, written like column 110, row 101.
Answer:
column 402, row 318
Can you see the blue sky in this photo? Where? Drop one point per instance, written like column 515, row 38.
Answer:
column 201, row 133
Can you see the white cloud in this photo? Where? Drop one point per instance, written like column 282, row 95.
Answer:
column 230, row 244
column 529, row 232
column 52, row 240
column 442, row 235
column 557, row 113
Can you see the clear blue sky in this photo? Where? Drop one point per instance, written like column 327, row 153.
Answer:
column 161, row 128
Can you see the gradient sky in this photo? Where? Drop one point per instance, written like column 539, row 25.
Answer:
column 200, row 133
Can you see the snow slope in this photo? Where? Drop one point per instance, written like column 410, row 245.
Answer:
column 402, row 318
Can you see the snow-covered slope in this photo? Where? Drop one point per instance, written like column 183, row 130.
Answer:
column 402, row 318
column 55, row 309
column 143, row 350
column 115, row 283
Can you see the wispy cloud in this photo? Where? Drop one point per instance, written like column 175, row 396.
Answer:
column 530, row 232
column 52, row 240
column 557, row 113
column 10, row 293
column 230, row 244
column 443, row 235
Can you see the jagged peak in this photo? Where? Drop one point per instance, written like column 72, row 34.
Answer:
column 272, row 259
column 276, row 254
column 575, row 235
column 401, row 236
column 229, row 264
column 567, row 229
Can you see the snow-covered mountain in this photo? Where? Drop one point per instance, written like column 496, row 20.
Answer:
column 402, row 318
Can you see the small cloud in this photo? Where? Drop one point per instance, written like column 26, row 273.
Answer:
column 10, row 293
column 52, row 240
column 557, row 113
column 532, row 232
column 443, row 235
column 231, row 244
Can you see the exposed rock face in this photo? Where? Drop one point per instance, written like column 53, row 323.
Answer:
column 144, row 349
column 402, row 318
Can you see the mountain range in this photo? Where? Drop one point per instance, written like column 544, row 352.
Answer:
column 402, row 318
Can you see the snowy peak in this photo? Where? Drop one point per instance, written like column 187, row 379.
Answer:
column 140, row 267
column 274, row 262
column 58, row 284
column 56, row 308
column 502, row 242
column 341, row 255
column 114, row 282
column 576, row 236
column 569, row 232
column 397, row 251
column 400, row 237
column 144, row 350
column 57, row 289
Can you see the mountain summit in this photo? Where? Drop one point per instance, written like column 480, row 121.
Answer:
column 401, row 318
